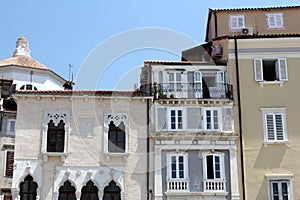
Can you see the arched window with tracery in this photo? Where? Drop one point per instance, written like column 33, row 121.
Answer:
column 116, row 138
column 28, row 189
column 56, row 137
column 112, row 192
column 67, row 192
column 89, row 192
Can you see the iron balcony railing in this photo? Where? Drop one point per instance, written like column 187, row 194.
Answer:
column 193, row 90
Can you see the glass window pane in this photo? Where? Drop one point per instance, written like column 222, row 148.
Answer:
column 210, row 167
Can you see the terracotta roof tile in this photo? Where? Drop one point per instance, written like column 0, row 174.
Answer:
column 117, row 93
column 265, row 36
column 173, row 62
column 251, row 9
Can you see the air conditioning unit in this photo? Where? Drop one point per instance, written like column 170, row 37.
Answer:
column 247, row 31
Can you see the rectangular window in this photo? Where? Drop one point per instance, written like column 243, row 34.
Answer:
column 275, row 125
column 212, row 119
column 236, row 22
column 280, row 190
column 175, row 82
column 176, row 119
column 9, row 163
column 275, row 20
column 11, row 124
column 214, row 168
column 270, row 69
column 177, row 167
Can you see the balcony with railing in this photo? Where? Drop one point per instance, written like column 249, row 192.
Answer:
column 193, row 91
column 178, row 185
column 214, row 185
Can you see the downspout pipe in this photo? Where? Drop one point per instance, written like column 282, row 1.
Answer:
column 240, row 115
column 149, row 191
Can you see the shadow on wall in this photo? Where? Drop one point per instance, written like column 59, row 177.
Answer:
column 270, row 157
column 263, row 191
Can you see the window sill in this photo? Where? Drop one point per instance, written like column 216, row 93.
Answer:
column 266, row 143
column 108, row 155
column 262, row 83
column 62, row 155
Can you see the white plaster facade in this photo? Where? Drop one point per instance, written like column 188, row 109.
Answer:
column 84, row 157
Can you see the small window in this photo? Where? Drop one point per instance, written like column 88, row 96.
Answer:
column 275, row 20
column 28, row 87
column 236, row 22
column 270, row 69
column 177, row 166
column 212, row 119
column 176, row 119
column 274, row 125
column 116, row 138
column 9, row 163
column 175, row 82
column 56, row 137
column 11, row 126
column 280, row 189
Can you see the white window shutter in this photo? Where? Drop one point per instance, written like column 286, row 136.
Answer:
column 161, row 118
column 258, row 69
column 279, row 127
column 270, row 127
column 283, row 76
column 227, row 119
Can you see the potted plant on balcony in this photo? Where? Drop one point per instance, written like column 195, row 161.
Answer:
column 172, row 96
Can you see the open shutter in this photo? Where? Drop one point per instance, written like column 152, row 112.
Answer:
column 258, row 69
column 194, row 118
column 279, row 127
column 282, row 69
column 161, row 118
column 270, row 126
column 9, row 163
column 227, row 119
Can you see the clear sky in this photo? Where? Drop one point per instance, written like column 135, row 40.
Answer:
column 68, row 32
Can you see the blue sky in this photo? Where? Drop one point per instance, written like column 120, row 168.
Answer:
column 64, row 32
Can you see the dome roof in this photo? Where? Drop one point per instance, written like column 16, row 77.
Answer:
column 22, row 61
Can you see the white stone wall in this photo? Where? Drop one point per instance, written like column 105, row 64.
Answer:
column 84, row 157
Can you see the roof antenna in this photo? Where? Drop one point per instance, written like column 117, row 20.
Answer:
column 70, row 67
column 68, row 85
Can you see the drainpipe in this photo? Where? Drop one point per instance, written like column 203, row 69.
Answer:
column 149, row 192
column 240, row 115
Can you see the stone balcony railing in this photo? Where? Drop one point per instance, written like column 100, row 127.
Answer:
column 214, row 185
column 178, row 185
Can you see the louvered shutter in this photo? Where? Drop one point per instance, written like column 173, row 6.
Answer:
column 258, row 69
column 9, row 163
column 282, row 69
column 227, row 119
column 194, row 118
column 161, row 118
column 279, row 127
column 270, row 126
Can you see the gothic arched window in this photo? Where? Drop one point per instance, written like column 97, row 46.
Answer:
column 28, row 189
column 67, row 192
column 112, row 192
column 56, row 137
column 116, row 138
column 89, row 192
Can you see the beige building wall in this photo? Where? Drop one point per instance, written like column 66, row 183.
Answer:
column 255, row 18
column 263, row 160
column 84, row 152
